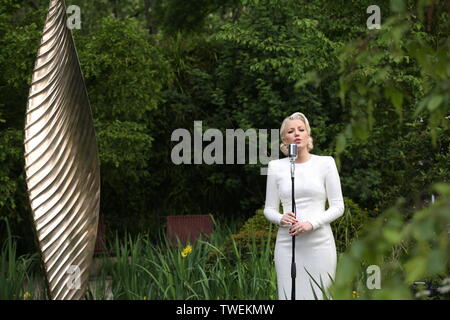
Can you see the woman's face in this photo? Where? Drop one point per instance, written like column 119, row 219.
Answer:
column 296, row 133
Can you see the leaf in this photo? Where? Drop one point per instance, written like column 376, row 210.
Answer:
column 397, row 101
column 321, row 288
column 362, row 90
column 360, row 127
column 442, row 188
column 434, row 102
column 437, row 262
column 421, row 105
column 340, row 143
column 395, row 96
column 393, row 236
column 415, row 268
column 398, row 6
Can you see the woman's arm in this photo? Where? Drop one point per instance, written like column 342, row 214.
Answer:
column 271, row 208
column 334, row 196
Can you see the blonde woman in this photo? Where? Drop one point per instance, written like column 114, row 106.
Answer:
column 316, row 180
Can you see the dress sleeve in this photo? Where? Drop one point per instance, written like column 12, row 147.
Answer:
column 271, row 208
column 334, row 196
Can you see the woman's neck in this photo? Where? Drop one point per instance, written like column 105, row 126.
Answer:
column 302, row 156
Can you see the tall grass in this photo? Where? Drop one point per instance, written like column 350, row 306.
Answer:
column 137, row 268
column 17, row 279
column 143, row 270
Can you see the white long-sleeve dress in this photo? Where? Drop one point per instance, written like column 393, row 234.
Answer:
column 315, row 181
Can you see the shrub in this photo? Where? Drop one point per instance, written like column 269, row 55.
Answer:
column 405, row 249
column 257, row 232
column 349, row 227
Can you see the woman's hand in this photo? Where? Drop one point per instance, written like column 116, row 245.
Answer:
column 300, row 227
column 288, row 219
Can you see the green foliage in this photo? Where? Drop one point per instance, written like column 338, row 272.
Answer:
column 349, row 227
column 124, row 72
column 386, row 79
column 261, row 62
column 257, row 223
column 174, row 16
column 257, row 233
column 143, row 270
column 400, row 66
column 19, row 40
column 405, row 251
column 125, row 148
column 374, row 172
column 17, row 281
column 10, row 156
column 124, row 75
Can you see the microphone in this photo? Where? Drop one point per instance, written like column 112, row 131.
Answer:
column 292, row 157
column 292, row 152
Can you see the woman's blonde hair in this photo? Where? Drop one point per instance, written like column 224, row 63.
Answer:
column 295, row 116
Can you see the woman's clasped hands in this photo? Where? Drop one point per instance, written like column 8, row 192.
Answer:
column 296, row 227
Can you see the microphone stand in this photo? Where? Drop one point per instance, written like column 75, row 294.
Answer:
column 294, row 210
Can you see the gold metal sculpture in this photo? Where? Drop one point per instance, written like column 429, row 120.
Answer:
column 61, row 161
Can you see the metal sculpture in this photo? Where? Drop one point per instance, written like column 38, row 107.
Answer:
column 61, row 161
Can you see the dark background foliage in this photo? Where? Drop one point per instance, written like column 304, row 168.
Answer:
column 152, row 67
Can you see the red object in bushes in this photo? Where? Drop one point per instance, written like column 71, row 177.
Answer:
column 188, row 228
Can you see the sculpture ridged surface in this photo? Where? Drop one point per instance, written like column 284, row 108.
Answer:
column 61, row 161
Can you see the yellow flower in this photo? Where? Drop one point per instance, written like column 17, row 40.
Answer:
column 186, row 251
column 26, row 295
column 145, row 298
column 354, row 294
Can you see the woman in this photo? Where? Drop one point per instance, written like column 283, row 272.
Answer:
column 316, row 179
